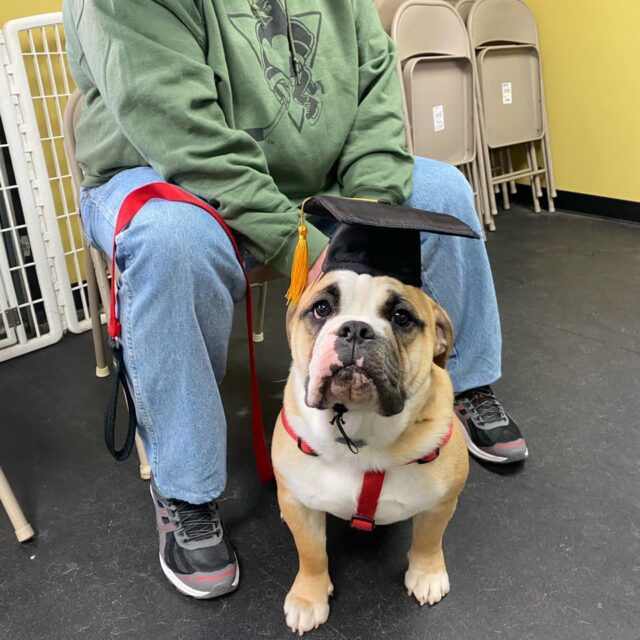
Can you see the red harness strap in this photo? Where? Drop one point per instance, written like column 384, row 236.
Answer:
column 304, row 446
column 364, row 517
column 164, row 191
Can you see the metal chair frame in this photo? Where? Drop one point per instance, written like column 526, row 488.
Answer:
column 22, row 528
column 503, row 27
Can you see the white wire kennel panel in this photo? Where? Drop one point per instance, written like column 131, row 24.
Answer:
column 7, row 332
column 42, row 83
column 29, row 315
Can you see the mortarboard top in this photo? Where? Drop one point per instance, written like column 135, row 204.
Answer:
column 376, row 238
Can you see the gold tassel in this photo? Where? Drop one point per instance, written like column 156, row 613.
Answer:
column 300, row 265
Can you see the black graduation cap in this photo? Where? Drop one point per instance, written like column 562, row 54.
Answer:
column 377, row 238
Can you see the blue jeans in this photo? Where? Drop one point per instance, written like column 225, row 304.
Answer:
column 179, row 282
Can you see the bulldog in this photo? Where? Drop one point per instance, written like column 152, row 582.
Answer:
column 367, row 432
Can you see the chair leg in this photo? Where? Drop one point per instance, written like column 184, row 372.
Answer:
column 506, row 203
column 548, row 177
column 145, row 467
column 258, row 322
column 549, row 165
column 534, row 163
column 484, row 149
column 534, row 190
column 488, row 218
column 512, row 184
column 102, row 368
column 102, row 279
column 22, row 528
column 477, row 187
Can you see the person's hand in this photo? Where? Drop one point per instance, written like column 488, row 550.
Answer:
column 316, row 269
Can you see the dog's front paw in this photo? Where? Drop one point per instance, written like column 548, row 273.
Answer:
column 304, row 615
column 307, row 604
column 427, row 587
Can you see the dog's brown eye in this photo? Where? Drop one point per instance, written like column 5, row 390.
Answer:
column 321, row 309
column 402, row 318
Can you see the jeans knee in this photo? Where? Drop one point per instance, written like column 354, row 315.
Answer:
column 444, row 188
column 173, row 231
column 185, row 245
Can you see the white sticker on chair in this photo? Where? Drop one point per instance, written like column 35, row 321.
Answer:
column 438, row 118
column 507, row 97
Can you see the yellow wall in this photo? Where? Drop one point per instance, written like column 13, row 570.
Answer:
column 591, row 62
column 10, row 9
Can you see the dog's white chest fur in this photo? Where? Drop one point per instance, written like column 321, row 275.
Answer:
column 335, row 488
column 332, row 481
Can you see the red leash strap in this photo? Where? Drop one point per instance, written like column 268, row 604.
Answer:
column 364, row 517
column 164, row 191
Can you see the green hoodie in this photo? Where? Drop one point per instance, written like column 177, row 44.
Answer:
column 255, row 104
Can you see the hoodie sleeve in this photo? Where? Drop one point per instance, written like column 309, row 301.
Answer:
column 375, row 161
column 145, row 59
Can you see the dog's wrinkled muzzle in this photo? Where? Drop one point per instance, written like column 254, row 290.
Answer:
column 353, row 364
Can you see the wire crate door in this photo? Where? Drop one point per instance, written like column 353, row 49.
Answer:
column 7, row 331
column 42, row 84
column 29, row 315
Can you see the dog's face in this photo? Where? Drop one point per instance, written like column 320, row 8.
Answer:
column 364, row 341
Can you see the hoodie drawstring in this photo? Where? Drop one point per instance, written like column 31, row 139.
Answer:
column 292, row 52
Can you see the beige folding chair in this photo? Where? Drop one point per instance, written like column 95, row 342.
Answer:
column 518, row 19
column 437, row 70
column 510, row 94
column 22, row 528
column 463, row 7
column 387, row 10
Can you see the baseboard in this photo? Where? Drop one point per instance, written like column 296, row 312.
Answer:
column 588, row 204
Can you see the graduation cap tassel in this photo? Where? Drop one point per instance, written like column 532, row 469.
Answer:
column 300, row 265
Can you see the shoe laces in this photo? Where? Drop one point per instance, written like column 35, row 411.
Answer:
column 487, row 408
column 195, row 522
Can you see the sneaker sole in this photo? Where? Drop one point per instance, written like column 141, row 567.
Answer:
column 490, row 457
column 217, row 590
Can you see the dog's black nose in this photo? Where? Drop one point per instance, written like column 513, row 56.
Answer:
column 356, row 331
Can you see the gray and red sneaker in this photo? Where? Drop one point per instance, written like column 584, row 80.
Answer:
column 195, row 554
column 490, row 433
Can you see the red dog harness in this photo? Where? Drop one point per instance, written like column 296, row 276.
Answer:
column 130, row 207
column 364, row 517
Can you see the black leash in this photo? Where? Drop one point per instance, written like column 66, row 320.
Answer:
column 119, row 379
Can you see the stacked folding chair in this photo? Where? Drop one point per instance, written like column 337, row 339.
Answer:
column 463, row 7
column 500, row 54
column 510, row 97
column 437, row 72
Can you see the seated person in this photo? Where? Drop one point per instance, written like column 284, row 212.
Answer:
column 255, row 104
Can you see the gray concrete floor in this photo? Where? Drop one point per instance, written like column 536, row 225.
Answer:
column 548, row 550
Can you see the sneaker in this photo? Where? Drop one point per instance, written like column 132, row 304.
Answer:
column 195, row 554
column 490, row 433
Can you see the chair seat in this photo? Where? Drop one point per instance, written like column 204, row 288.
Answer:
column 263, row 273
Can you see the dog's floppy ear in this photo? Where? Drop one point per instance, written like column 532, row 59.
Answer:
column 291, row 310
column 444, row 336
